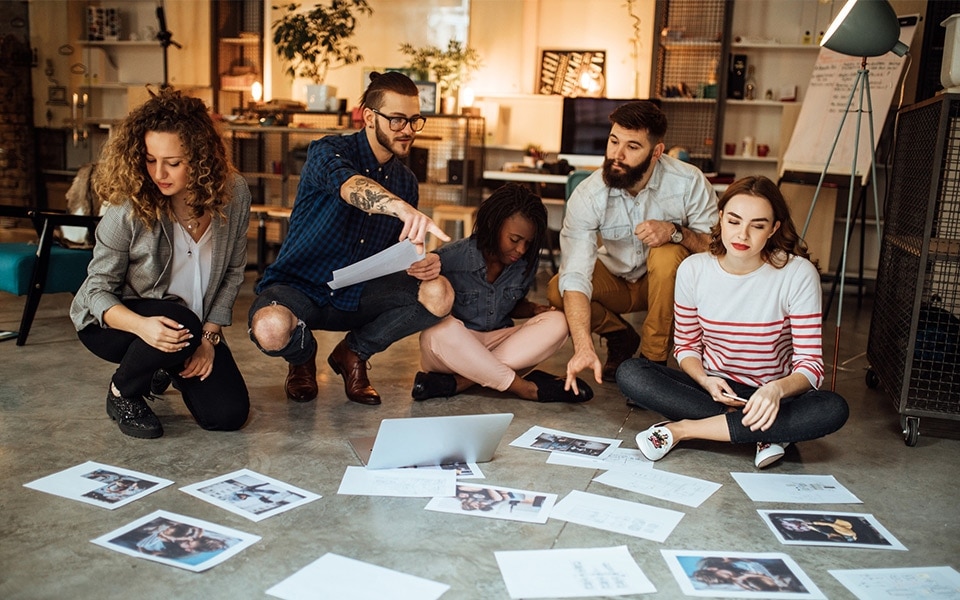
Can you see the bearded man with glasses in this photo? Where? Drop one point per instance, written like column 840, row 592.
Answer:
column 356, row 197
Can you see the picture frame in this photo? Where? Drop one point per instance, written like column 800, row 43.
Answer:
column 428, row 97
column 572, row 73
column 57, row 95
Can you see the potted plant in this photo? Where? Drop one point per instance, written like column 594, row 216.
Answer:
column 311, row 43
column 450, row 68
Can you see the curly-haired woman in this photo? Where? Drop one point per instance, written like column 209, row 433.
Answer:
column 167, row 265
column 747, row 318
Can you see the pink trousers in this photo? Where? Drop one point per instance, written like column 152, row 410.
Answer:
column 491, row 358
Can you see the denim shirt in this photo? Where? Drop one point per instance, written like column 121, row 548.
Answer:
column 481, row 305
column 325, row 232
column 677, row 192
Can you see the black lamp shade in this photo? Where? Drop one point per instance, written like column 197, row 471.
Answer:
column 865, row 28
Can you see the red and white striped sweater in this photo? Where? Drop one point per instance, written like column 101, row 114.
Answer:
column 751, row 328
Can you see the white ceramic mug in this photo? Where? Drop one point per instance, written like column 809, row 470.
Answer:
column 748, row 147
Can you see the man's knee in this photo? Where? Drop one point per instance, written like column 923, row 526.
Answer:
column 272, row 326
column 436, row 296
column 664, row 260
column 554, row 297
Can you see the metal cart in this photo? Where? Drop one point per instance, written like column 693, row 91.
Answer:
column 914, row 342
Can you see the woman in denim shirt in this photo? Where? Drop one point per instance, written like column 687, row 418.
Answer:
column 491, row 273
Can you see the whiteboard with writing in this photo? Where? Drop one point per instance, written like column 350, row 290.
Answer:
column 826, row 100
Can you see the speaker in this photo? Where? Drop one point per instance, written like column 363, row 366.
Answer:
column 455, row 171
column 417, row 160
column 737, row 76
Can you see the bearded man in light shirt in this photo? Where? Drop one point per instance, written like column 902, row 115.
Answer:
column 626, row 230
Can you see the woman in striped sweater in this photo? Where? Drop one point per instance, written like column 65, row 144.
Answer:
column 747, row 338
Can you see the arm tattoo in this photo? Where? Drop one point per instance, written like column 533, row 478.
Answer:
column 370, row 197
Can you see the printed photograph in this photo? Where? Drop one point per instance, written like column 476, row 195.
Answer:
column 250, row 494
column 824, row 528
column 739, row 575
column 551, row 440
column 102, row 485
column 496, row 503
column 116, row 487
column 177, row 541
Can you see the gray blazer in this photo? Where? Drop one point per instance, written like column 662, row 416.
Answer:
column 133, row 261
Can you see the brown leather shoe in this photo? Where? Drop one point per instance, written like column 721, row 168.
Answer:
column 301, row 383
column 347, row 364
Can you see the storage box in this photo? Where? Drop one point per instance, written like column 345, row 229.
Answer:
column 950, row 69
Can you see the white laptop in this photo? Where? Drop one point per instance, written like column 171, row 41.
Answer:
column 429, row 441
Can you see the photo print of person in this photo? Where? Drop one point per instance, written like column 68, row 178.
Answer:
column 740, row 575
column 825, row 528
column 176, row 540
column 250, row 494
column 118, row 487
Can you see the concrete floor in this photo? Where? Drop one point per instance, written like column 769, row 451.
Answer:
column 52, row 417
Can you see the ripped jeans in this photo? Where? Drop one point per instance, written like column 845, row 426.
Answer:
column 389, row 311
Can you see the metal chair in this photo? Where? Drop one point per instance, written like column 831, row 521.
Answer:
column 31, row 269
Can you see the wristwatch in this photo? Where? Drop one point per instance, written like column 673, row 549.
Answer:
column 677, row 236
column 211, row 336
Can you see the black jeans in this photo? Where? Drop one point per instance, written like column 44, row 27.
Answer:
column 675, row 395
column 221, row 402
column 389, row 311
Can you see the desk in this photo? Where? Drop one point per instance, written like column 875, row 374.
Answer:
column 525, row 177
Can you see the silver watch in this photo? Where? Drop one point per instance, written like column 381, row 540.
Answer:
column 677, row 236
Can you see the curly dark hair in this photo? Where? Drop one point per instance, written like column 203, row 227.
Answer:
column 506, row 201
column 122, row 171
column 381, row 83
column 784, row 241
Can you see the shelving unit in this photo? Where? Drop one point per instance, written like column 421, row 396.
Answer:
column 448, row 157
column 782, row 67
column 690, row 67
column 238, row 52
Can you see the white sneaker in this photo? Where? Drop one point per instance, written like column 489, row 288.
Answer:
column 767, row 454
column 655, row 442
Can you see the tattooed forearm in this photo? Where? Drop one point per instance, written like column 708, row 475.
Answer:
column 371, row 198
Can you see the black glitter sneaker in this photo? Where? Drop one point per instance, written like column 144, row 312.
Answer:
column 133, row 416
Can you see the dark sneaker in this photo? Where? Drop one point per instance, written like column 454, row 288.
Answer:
column 133, row 416
column 550, row 388
column 621, row 345
column 433, row 385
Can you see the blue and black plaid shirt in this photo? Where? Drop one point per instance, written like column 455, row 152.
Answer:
column 325, row 232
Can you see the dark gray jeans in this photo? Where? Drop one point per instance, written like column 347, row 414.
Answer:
column 675, row 395
column 389, row 311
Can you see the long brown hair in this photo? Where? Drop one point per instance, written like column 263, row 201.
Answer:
column 122, row 171
column 784, row 241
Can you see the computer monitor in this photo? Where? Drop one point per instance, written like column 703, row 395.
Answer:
column 586, row 124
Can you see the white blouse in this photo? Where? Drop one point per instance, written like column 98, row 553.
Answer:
column 191, row 267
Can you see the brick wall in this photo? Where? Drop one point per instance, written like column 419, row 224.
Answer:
column 17, row 163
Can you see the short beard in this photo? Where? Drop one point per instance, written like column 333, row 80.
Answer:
column 626, row 180
column 390, row 144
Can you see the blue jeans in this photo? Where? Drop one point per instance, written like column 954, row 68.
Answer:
column 389, row 311
column 675, row 395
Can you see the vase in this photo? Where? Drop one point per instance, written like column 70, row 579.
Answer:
column 318, row 96
column 448, row 105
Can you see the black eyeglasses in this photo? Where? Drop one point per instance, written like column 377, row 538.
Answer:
column 399, row 123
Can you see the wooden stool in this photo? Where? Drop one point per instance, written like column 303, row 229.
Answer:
column 452, row 212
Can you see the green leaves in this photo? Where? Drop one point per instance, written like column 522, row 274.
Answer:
column 311, row 43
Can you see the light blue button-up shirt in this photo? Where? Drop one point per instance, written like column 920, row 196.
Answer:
column 600, row 221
